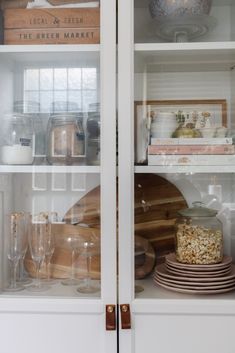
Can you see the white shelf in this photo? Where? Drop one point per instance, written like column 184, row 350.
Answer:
column 184, row 169
column 58, row 298
column 161, row 296
column 48, row 169
column 207, row 56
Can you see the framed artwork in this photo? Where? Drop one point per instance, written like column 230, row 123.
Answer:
column 203, row 115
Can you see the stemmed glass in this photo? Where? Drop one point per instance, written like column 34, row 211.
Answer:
column 16, row 240
column 90, row 247
column 24, row 280
column 74, row 243
column 50, row 217
column 37, row 246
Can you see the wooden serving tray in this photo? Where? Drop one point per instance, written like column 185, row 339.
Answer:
column 156, row 204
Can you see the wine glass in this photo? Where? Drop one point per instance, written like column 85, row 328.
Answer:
column 50, row 218
column 16, row 239
column 23, row 279
column 37, row 246
column 90, row 247
column 74, row 243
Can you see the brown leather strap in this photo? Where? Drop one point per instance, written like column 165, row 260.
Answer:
column 125, row 316
column 110, row 317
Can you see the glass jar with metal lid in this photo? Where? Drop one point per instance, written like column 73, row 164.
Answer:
column 198, row 237
column 66, row 139
column 17, row 139
column 93, row 134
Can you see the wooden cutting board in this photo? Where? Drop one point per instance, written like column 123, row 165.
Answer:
column 156, row 204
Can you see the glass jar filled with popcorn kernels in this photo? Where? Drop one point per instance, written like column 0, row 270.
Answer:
column 198, row 236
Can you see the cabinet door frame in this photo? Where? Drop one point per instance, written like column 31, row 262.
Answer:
column 18, row 306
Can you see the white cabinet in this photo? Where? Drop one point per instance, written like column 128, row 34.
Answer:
column 61, row 318
column 159, row 71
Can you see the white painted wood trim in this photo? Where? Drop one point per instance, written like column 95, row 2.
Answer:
column 50, row 305
column 48, row 169
column 198, row 306
column 185, row 46
column 126, row 163
column 52, row 48
column 185, row 169
column 108, row 164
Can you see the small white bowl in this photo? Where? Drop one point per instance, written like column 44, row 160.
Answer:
column 208, row 132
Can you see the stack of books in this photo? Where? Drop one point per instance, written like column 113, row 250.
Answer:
column 191, row 151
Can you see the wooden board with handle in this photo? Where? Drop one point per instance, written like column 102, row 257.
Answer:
column 156, row 204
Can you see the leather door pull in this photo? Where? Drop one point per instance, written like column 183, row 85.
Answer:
column 125, row 316
column 110, row 317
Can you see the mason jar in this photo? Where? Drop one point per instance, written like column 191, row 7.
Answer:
column 198, row 236
column 17, row 139
column 66, row 139
column 93, row 135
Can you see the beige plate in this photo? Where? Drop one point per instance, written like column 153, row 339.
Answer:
column 199, row 291
column 171, row 260
column 193, row 284
column 162, row 272
column 198, row 273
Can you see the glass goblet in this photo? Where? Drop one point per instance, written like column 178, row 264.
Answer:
column 24, row 279
column 50, row 217
column 37, row 246
column 90, row 247
column 15, row 247
column 74, row 243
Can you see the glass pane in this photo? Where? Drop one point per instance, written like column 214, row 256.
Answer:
column 74, row 99
column 159, row 21
column 60, row 101
column 88, row 97
column 32, row 97
column 60, row 79
column 31, row 79
column 89, row 78
column 55, row 218
column 74, row 78
column 46, row 99
column 46, row 79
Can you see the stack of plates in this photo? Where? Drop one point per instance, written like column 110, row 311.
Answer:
column 196, row 279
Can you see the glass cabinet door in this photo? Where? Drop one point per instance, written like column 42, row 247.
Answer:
column 176, row 156
column 58, row 192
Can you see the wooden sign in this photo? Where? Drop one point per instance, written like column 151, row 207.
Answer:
column 52, row 36
column 51, row 18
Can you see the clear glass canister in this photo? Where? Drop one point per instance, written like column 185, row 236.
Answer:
column 93, row 135
column 198, row 237
column 66, row 139
column 17, row 139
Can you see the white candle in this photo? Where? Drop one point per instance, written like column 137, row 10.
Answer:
column 16, row 154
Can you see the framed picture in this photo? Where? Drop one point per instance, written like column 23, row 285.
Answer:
column 196, row 114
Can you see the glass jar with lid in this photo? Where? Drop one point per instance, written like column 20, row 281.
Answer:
column 32, row 109
column 17, row 138
column 66, row 139
column 198, row 236
column 93, row 134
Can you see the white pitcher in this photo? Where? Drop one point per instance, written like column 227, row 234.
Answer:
column 164, row 124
